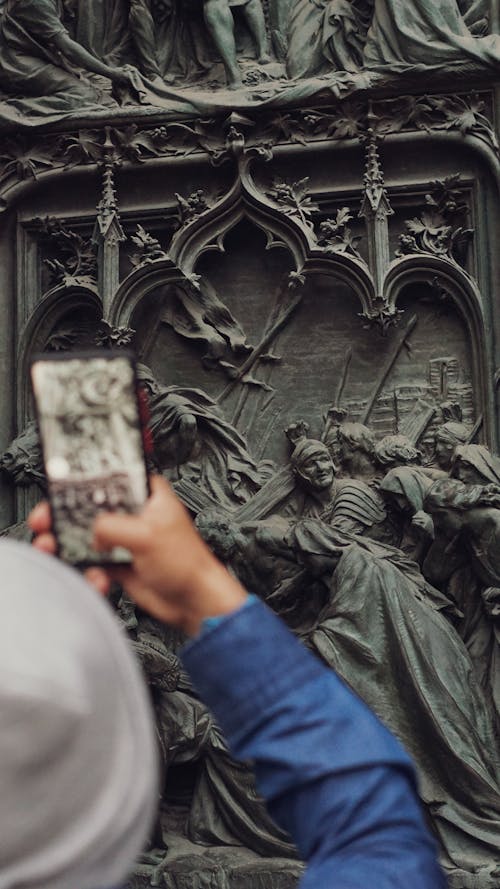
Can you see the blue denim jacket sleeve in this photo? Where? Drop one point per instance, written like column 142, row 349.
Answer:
column 331, row 774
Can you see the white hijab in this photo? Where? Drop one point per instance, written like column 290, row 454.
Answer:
column 78, row 771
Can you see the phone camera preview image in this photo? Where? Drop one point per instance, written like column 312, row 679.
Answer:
column 91, row 435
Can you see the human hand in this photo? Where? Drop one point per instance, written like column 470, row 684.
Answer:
column 40, row 522
column 122, row 75
column 174, row 575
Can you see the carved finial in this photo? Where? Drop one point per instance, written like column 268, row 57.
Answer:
column 375, row 192
column 107, row 208
column 108, row 231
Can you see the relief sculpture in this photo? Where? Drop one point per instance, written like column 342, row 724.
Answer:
column 174, row 55
column 311, row 293
column 376, row 542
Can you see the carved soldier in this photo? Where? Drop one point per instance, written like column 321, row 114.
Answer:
column 346, row 503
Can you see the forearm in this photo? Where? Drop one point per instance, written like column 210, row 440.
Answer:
column 216, row 593
column 332, row 776
column 78, row 55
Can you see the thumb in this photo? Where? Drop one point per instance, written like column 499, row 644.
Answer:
column 116, row 529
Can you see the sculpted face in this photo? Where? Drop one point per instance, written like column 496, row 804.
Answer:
column 467, row 474
column 317, row 471
column 444, row 452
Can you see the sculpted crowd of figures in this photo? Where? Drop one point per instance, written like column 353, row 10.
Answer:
column 60, row 56
column 385, row 563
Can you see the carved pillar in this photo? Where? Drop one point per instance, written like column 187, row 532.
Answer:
column 376, row 209
column 108, row 232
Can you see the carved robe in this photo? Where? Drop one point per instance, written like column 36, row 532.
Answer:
column 425, row 33
column 30, row 65
column 402, row 657
column 102, row 27
column 326, row 34
column 190, row 434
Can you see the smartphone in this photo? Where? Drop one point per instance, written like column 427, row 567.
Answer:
column 89, row 413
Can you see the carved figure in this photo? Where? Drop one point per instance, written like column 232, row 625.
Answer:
column 192, row 440
column 225, row 809
column 22, row 460
column 327, row 34
column 36, row 54
column 254, row 551
column 142, row 30
column 396, row 450
column 101, row 27
column 475, row 465
column 171, row 40
column 348, row 503
column 219, row 20
column 404, row 35
column 404, row 489
column 465, row 560
column 313, row 467
column 399, row 653
column 357, row 450
column 447, row 438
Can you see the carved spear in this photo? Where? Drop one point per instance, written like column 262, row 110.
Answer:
column 400, row 342
column 294, row 296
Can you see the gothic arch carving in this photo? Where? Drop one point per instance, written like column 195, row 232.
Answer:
column 54, row 305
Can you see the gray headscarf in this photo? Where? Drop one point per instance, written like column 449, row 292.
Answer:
column 78, row 772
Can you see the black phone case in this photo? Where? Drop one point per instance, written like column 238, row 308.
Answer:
column 90, row 417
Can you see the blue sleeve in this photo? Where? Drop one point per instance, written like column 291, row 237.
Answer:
column 331, row 774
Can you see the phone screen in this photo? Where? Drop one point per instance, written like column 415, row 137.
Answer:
column 90, row 429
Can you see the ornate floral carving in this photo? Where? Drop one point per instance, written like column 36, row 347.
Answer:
column 73, row 257
column 335, row 234
column 441, row 227
column 19, row 159
column 293, row 199
column 109, row 336
column 191, row 207
column 469, row 113
column 382, row 316
column 149, row 248
column 347, row 122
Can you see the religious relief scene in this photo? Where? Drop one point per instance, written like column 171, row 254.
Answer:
column 288, row 210
column 63, row 59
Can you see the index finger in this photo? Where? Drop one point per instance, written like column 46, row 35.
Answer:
column 39, row 519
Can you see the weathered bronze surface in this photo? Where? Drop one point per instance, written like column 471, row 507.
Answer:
column 290, row 209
